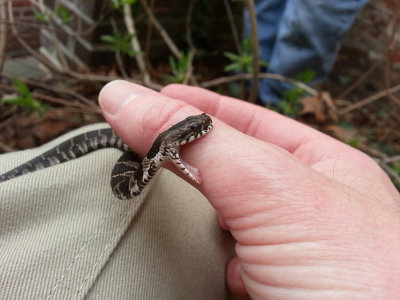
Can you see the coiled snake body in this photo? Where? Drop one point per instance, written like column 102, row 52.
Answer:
column 131, row 173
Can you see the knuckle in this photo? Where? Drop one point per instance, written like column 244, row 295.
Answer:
column 160, row 117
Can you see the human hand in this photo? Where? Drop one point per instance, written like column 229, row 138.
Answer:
column 313, row 217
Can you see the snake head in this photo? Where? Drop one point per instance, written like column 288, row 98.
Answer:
column 190, row 129
column 185, row 131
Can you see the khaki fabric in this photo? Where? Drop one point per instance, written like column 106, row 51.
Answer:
column 63, row 235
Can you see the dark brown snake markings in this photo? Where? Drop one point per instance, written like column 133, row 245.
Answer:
column 131, row 173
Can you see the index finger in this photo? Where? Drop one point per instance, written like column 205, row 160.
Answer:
column 248, row 118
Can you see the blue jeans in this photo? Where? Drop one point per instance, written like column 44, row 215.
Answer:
column 299, row 35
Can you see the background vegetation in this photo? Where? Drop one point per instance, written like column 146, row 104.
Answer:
column 148, row 44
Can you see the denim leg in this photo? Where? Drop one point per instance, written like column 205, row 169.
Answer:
column 268, row 14
column 308, row 37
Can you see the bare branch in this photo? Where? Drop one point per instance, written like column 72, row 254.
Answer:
column 369, row 100
column 54, row 89
column 174, row 49
column 118, row 56
column 391, row 159
column 76, row 75
column 147, row 45
column 389, row 51
column 82, row 107
column 189, row 72
column 3, row 32
column 359, row 80
column 278, row 77
column 254, row 46
column 25, row 45
column 53, row 35
column 130, row 26
column 233, row 25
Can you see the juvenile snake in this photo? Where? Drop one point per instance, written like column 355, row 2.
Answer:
column 131, row 173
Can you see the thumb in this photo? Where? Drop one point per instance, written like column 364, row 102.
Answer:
column 240, row 174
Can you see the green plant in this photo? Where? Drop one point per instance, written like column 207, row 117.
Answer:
column 40, row 16
column 63, row 13
column 344, row 80
column 117, row 4
column 354, row 142
column 120, row 43
column 179, row 68
column 242, row 62
column 289, row 105
column 25, row 99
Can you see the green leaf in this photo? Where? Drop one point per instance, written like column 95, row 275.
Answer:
column 39, row 15
column 232, row 56
column 63, row 13
column 346, row 125
column 108, row 38
column 117, row 4
column 26, row 100
column 382, row 113
column 178, row 68
column 233, row 67
column 344, row 80
column 354, row 142
column 289, row 105
column 243, row 61
column 21, row 87
column 396, row 169
column 23, row 102
column 120, row 43
column 235, row 88
column 305, row 76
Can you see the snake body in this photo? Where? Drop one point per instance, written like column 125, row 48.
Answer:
column 131, row 173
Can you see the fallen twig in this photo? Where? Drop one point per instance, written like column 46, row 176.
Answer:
column 55, row 89
column 391, row 159
column 5, row 148
column 369, row 100
column 359, row 80
column 13, row 118
column 83, row 108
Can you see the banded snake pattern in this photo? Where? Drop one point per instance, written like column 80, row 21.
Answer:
column 131, row 173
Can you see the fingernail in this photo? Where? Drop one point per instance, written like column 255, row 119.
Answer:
column 117, row 94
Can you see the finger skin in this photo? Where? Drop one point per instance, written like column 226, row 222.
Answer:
column 245, row 117
column 307, row 144
column 234, row 280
